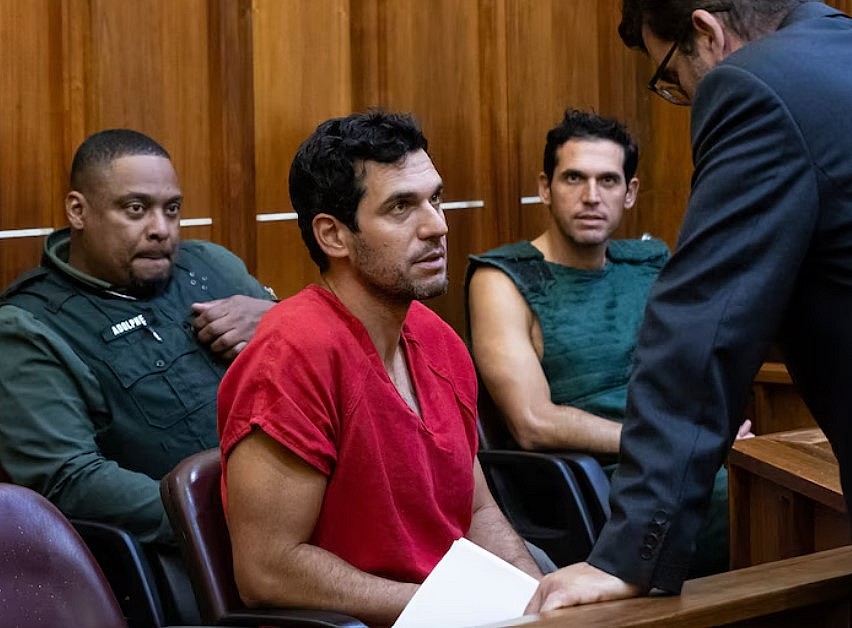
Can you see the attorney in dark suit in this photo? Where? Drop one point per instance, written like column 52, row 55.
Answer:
column 765, row 253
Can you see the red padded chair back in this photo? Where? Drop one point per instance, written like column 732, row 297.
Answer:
column 47, row 574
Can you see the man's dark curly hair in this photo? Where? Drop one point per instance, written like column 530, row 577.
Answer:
column 582, row 125
column 327, row 174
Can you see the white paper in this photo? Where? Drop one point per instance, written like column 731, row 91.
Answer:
column 470, row 586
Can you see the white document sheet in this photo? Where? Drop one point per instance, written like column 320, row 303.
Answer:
column 470, row 586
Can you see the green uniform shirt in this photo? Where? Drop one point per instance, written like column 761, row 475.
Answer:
column 84, row 431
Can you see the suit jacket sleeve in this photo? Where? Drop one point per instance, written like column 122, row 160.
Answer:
column 712, row 314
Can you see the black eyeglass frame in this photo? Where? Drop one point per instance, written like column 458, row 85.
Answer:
column 675, row 95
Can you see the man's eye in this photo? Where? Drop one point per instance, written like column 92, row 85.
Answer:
column 572, row 178
column 173, row 210
column 436, row 200
column 136, row 208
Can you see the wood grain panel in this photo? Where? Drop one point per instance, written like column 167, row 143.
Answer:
column 31, row 158
column 843, row 5
column 553, row 62
column 661, row 129
column 18, row 255
column 196, row 232
column 283, row 262
column 302, row 76
column 146, row 67
column 231, row 99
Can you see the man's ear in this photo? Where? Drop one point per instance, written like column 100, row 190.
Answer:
column 75, row 209
column 544, row 188
column 632, row 193
column 332, row 235
column 711, row 35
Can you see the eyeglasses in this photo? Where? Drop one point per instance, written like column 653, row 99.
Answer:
column 665, row 89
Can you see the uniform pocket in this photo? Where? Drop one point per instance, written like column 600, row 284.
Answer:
column 167, row 379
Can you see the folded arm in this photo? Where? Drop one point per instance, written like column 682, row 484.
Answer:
column 503, row 332
column 274, row 500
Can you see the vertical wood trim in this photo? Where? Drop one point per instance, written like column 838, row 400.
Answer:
column 232, row 127
column 77, row 101
column 502, row 179
column 366, row 71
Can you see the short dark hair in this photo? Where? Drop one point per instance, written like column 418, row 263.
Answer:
column 327, row 173
column 671, row 20
column 104, row 147
column 583, row 125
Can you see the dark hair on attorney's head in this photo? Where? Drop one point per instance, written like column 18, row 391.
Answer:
column 671, row 20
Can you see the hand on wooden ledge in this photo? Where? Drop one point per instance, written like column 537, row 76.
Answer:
column 578, row 584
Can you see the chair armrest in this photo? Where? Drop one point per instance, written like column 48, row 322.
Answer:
column 594, row 482
column 127, row 569
column 542, row 500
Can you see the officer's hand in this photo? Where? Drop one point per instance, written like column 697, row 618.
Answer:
column 578, row 584
column 226, row 325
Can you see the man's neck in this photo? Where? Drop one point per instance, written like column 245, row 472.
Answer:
column 382, row 320
column 558, row 250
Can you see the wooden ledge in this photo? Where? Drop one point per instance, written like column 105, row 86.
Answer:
column 773, row 373
column 816, row 586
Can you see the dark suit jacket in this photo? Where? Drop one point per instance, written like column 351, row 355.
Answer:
column 765, row 252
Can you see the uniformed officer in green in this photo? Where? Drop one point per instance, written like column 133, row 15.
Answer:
column 114, row 347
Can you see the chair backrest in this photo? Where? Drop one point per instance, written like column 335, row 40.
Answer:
column 495, row 435
column 125, row 566
column 192, row 497
column 557, row 500
column 543, row 502
column 48, row 577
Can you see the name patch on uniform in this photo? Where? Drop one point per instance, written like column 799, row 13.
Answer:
column 130, row 324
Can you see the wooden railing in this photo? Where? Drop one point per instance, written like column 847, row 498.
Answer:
column 812, row 590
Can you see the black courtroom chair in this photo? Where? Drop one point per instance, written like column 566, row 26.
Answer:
column 557, row 500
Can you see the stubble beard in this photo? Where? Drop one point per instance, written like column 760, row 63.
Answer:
column 391, row 282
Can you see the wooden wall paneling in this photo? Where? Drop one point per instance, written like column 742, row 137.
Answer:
column 624, row 95
column 661, row 129
column 31, row 108
column 147, row 67
column 442, row 61
column 302, row 76
column 231, row 127
column 554, row 64
column 18, row 255
column 843, row 5
column 665, row 170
